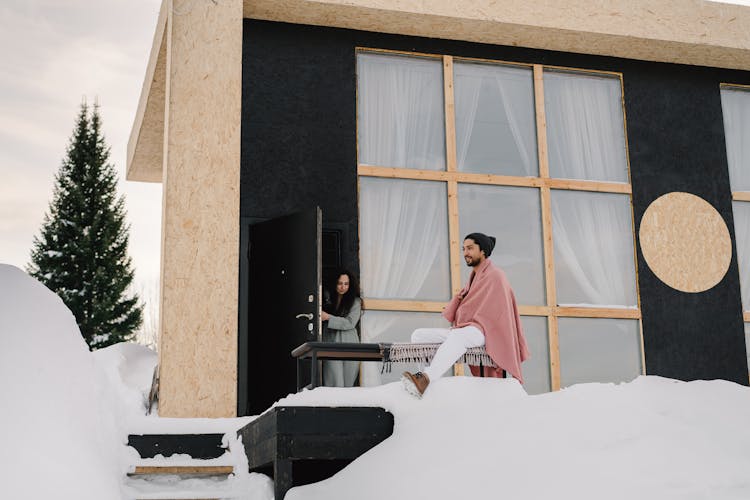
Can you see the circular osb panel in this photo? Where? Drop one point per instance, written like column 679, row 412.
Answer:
column 685, row 242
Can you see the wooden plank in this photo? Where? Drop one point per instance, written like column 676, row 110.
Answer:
column 737, row 86
column 554, row 353
column 403, row 305
column 375, row 50
column 541, row 122
column 424, row 306
column 740, row 196
column 597, row 186
column 504, row 180
column 550, row 289
column 534, row 310
column 454, row 243
column 499, row 62
column 546, row 210
column 570, row 69
column 597, row 312
column 402, row 173
column 454, row 239
column 643, row 349
column 548, row 247
column 450, row 114
column 439, row 175
column 213, row 470
column 498, row 180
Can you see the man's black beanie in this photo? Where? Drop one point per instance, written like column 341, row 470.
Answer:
column 486, row 243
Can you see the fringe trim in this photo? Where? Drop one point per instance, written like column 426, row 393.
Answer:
column 423, row 354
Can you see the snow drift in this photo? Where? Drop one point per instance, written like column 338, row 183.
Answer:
column 653, row 438
column 58, row 440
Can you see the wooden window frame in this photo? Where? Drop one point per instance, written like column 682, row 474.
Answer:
column 543, row 182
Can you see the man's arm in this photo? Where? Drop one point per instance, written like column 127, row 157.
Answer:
column 449, row 311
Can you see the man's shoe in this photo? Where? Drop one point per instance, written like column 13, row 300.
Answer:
column 415, row 383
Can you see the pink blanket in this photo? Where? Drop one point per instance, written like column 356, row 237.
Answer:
column 488, row 303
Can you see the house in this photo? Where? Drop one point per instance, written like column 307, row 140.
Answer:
column 603, row 143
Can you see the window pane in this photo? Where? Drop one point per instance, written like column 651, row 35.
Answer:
column 593, row 240
column 741, row 211
column 400, row 111
column 598, row 350
column 585, row 127
column 403, row 231
column 536, row 368
column 513, row 216
column 495, row 125
column 735, row 105
column 393, row 326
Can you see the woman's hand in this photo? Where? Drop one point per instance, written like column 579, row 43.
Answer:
column 324, row 316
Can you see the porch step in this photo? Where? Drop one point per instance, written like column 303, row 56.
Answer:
column 180, row 467
column 202, row 446
column 188, row 480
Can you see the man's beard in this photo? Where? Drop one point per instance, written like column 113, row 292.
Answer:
column 471, row 262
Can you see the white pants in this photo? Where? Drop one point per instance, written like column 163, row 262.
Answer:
column 455, row 342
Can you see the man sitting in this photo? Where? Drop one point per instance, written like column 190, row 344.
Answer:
column 484, row 313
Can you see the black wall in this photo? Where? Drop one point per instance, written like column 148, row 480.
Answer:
column 299, row 150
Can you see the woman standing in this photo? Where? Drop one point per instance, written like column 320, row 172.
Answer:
column 342, row 313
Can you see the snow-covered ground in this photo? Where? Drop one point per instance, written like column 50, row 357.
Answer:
column 653, row 438
column 66, row 414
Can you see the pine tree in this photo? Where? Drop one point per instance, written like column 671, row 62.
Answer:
column 81, row 252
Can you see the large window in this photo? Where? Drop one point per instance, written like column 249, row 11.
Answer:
column 735, row 103
column 535, row 156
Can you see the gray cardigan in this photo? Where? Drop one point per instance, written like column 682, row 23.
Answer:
column 346, row 327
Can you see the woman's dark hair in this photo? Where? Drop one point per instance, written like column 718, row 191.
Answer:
column 348, row 298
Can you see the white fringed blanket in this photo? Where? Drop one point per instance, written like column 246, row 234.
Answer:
column 423, row 353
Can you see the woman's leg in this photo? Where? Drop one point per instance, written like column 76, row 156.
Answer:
column 457, row 341
column 351, row 370
column 333, row 373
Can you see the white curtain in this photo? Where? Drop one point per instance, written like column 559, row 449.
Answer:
column 403, row 253
column 736, row 108
column 741, row 211
column 593, row 241
column 400, row 111
column 585, row 127
column 495, row 127
column 404, row 239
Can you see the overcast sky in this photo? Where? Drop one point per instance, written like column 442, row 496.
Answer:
column 53, row 54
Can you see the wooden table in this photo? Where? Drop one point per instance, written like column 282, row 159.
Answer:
column 342, row 351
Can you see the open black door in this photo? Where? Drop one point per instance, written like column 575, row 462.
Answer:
column 283, row 302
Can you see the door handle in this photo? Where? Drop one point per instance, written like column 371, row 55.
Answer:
column 308, row 316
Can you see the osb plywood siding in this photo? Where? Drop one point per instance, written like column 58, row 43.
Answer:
column 146, row 143
column 683, row 31
column 198, row 344
column 685, row 242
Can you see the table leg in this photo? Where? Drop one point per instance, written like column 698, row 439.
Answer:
column 314, row 371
